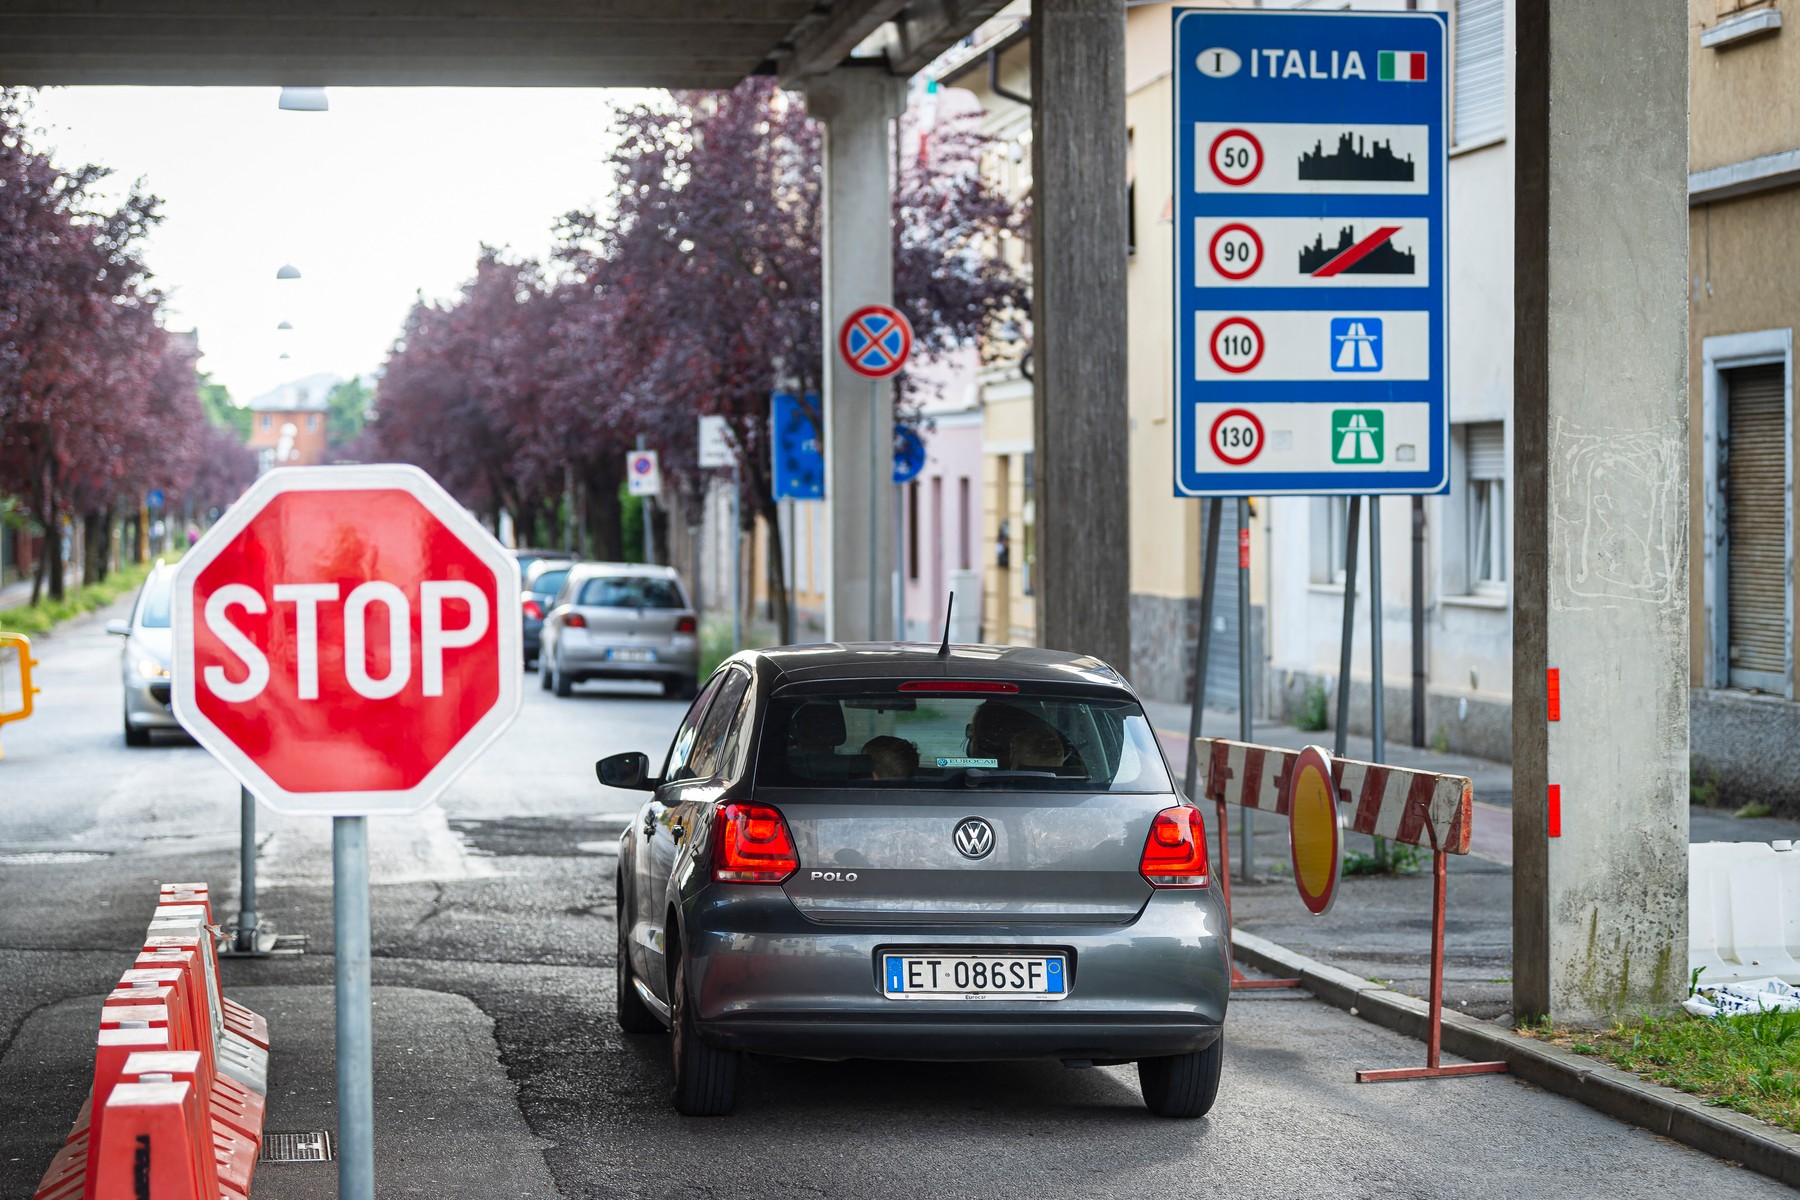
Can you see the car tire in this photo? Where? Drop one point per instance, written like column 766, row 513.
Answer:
column 705, row 1076
column 634, row 1015
column 1182, row 1085
column 561, row 685
column 543, row 675
column 137, row 738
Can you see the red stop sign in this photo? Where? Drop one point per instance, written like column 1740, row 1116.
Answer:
column 346, row 639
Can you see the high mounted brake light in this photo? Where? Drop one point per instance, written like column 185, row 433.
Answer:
column 959, row 685
column 1175, row 852
column 753, row 846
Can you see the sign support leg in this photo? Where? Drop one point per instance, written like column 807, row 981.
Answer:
column 737, row 561
column 1342, row 732
column 1209, row 578
column 876, row 427
column 900, row 564
column 1247, row 826
column 355, row 1036
column 1418, row 621
column 246, row 922
column 1377, row 688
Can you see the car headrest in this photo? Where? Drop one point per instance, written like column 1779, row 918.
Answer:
column 818, row 723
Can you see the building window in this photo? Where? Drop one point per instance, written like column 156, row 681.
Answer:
column 1330, row 528
column 1484, row 446
column 1752, row 486
column 1479, row 96
column 963, row 549
column 312, row 422
column 266, row 421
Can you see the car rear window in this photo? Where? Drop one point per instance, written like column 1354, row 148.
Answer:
column 153, row 607
column 1007, row 742
column 548, row 583
column 630, row 591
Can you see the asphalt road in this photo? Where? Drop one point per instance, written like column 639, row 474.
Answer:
column 500, row 1072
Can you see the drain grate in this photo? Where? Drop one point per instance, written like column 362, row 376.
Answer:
column 298, row 1147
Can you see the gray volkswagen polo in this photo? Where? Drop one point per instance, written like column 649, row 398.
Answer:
column 918, row 852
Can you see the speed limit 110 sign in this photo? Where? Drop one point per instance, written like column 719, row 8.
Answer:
column 1311, row 348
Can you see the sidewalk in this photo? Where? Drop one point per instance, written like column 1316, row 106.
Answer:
column 1380, row 926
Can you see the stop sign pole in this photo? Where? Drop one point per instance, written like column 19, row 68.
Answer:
column 346, row 643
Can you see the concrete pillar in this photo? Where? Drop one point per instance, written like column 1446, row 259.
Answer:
column 1601, row 473
column 856, row 104
column 1078, row 328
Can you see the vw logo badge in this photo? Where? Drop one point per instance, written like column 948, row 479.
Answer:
column 974, row 837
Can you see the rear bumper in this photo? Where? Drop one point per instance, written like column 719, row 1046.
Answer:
column 767, row 979
column 584, row 662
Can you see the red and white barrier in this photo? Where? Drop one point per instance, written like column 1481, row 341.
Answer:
column 179, row 1075
column 1417, row 808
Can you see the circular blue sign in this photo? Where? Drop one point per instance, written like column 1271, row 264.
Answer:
column 909, row 454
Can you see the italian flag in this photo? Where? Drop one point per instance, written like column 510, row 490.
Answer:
column 1401, row 66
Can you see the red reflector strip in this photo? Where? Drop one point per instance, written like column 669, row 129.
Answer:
column 957, row 685
column 1244, row 549
column 1555, row 815
column 1555, row 694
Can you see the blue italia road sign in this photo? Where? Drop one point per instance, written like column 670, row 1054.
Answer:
column 1312, row 351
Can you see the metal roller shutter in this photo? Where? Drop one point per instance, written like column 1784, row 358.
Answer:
column 1480, row 83
column 1222, row 651
column 1754, row 475
column 1487, row 450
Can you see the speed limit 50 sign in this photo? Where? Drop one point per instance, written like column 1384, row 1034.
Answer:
column 1312, row 356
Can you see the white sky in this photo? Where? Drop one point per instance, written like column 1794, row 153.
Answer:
column 389, row 194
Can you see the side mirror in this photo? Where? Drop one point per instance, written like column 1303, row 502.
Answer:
column 630, row 770
column 118, row 628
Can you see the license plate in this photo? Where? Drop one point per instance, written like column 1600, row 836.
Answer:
column 624, row 655
column 974, row 977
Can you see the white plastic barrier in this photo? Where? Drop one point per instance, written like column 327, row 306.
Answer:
column 1744, row 911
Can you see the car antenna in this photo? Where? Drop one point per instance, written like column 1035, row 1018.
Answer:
column 944, row 649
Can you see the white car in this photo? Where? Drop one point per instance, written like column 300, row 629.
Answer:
column 144, row 662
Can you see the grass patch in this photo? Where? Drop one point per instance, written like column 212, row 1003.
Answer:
column 1399, row 859
column 1311, row 716
column 1748, row 1064
column 33, row 620
column 715, row 641
column 1753, row 810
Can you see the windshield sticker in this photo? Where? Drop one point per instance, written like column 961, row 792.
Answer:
column 989, row 763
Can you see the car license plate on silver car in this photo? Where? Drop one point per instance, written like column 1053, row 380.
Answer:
column 974, row 977
column 618, row 654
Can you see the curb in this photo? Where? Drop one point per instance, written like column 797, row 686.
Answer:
column 1761, row 1147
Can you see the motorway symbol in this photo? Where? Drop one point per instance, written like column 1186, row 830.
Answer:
column 346, row 640
column 875, row 341
column 1236, row 251
column 1237, row 345
column 1356, row 343
column 1357, row 435
column 1236, row 157
column 1237, row 436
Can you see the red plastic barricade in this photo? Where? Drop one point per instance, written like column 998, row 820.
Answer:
column 176, row 1105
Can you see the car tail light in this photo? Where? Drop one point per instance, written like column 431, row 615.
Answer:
column 958, row 685
column 1175, row 852
column 753, row 846
column 575, row 621
column 685, row 625
column 533, row 611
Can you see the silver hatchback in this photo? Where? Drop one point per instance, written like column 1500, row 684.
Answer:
column 145, row 659
column 875, row 851
column 620, row 621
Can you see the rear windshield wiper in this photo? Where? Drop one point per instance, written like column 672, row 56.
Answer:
column 976, row 775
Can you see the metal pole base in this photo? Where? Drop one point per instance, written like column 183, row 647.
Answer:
column 267, row 944
column 1397, row 1074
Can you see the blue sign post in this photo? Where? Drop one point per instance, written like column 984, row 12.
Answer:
column 1312, row 349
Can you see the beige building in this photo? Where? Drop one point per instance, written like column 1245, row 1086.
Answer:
column 1744, row 298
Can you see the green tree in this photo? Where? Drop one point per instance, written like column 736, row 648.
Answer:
column 347, row 411
column 215, row 398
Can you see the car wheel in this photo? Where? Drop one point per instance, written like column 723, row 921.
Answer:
column 543, row 675
column 136, row 737
column 562, row 685
column 634, row 1015
column 1182, row 1085
column 705, row 1076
